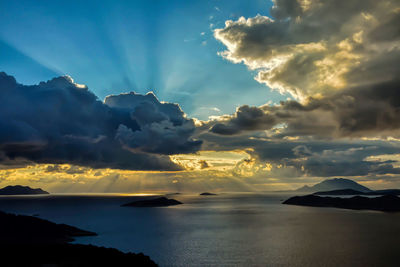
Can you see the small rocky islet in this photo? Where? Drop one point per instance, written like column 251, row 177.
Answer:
column 207, row 194
column 153, row 202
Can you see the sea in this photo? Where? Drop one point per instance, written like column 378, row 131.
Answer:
column 229, row 229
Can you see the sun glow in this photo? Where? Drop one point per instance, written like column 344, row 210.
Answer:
column 210, row 160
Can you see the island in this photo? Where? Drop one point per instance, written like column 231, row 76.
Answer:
column 153, row 202
column 207, row 194
column 21, row 190
column 385, row 192
column 31, row 241
column 388, row 203
column 349, row 192
column 173, row 194
column 334, row 184
column 340, row 192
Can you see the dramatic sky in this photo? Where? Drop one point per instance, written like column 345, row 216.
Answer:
column 143, row 96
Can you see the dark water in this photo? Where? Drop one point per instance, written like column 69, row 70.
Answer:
column 227, row 230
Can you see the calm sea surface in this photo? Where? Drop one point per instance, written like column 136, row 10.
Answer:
column 226, row 230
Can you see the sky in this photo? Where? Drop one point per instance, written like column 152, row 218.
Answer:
column 144, row 96
column 121, row 46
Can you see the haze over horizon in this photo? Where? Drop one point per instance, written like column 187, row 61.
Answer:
column 143, row 96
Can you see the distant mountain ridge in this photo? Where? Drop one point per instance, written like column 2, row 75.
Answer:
column 334, row 184
column 21, row 190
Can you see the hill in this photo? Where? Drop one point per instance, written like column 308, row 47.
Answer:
column 31, row 241
column 334, row 184
column 21, row 190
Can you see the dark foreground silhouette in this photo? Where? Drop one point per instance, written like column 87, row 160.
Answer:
column 154, row 202
column 349, row 192
column 30, row 241
column 28, row 229
column 388, row 203
column 207, row 194
column 21, row 190
column 69, row 255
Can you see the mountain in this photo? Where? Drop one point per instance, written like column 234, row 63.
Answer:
column 389, row 203
column 21, row 190
column 334, row 184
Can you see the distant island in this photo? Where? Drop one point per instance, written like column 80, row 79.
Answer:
column 154, row 202
column 30, row 241
column 349, row 192
column 207, row 194
column 334, row 184
column 173, row 194
column 387, row 203
column 21, row 190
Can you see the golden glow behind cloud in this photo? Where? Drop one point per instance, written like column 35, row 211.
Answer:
column 311, row 50
column 216, row 160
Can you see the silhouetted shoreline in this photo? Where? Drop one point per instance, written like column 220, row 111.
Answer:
column 389, row 203
column 31, row 241
column 349, row 192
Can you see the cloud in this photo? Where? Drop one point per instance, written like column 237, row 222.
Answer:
column 317, row 47
column 367, row 111
column 339, row 62
column 347, row 162
column 60, row 121
column 245, row 119
column 203, row 164
column 164, row 128
column 287, row 159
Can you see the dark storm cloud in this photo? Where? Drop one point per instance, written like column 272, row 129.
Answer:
column 245, row 119
column 310, row 157
column 62, row 122
column 356, row 112
column 164, row 127
column 342, row 162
